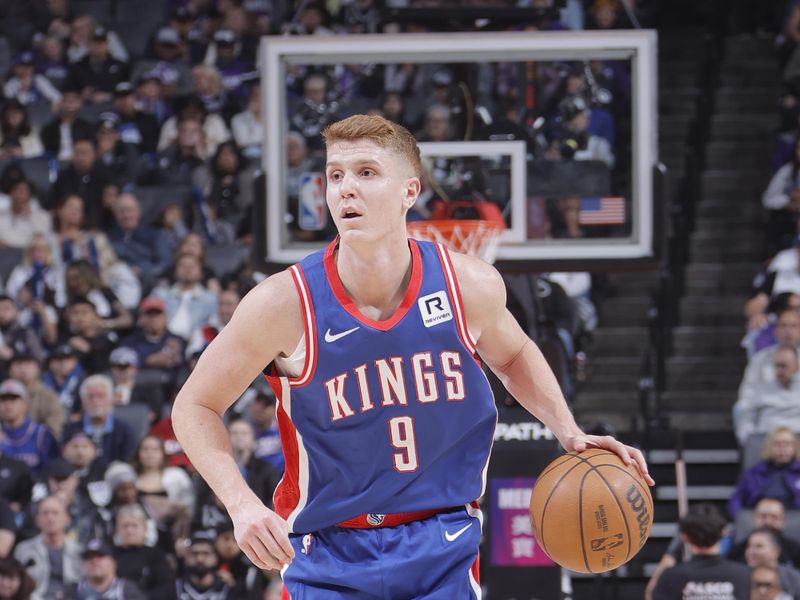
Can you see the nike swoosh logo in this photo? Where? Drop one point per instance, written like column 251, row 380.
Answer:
column 451, row 537
column 332, row 337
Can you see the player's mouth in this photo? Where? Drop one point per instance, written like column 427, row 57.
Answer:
column 350, row 214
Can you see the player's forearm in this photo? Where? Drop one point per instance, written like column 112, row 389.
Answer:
column 530, row 380
column 202, row 435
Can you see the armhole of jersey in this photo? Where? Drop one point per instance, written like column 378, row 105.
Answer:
column 455, row 295
column 309, row 328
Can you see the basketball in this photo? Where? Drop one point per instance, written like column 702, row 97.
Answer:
column 590, row 511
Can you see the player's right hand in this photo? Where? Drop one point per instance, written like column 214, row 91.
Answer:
column 262, row 535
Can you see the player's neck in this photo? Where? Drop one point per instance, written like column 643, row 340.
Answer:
column 376, row 276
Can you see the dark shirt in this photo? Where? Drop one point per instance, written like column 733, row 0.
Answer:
column 148, row 568
column 139, row 129
column 219, row 590
column 145, row 346
column 16, row 483
column 88, row 186
column 102, row 76
column 115, row 441
column 704, row 578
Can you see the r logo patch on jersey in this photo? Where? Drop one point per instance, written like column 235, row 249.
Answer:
column 435, row 308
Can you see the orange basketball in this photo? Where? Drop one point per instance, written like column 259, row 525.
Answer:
column 590, row 512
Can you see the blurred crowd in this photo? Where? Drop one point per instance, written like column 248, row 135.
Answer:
column 130, row 136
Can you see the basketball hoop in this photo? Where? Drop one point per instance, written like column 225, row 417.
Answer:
column 470, row 236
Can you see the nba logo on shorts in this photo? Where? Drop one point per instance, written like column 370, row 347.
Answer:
column 375, row 519
column 313, row 210
column 435, row 308
column 307, row 543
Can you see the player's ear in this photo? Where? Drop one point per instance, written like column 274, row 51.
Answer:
column 411, row 192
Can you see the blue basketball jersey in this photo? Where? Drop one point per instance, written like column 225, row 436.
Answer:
column 386, row 417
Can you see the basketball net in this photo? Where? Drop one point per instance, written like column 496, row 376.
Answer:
column 475, row 237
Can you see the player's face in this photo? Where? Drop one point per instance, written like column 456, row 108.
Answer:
column 369, row 190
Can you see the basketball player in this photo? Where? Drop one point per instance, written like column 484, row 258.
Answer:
column 385, row 415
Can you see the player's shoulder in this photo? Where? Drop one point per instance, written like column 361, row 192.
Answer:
column 477, row 279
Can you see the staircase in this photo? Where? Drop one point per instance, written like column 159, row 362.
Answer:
column 725, row 251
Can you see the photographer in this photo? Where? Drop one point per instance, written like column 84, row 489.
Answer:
column 573, row 141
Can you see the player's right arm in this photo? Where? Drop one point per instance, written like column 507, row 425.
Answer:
column 267, row 323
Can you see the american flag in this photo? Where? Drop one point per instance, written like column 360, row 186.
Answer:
column 602, row 211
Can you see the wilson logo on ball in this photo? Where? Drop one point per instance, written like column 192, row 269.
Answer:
column 635, row 499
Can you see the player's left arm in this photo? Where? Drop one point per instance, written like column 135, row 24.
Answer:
column 518, row 362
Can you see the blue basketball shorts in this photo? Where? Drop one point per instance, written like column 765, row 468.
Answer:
column 432, row 559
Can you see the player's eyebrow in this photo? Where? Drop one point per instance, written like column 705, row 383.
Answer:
column 365, row 162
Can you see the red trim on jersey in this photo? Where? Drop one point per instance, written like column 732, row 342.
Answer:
column 455, row 296
column 476, row 569
column 309, row 327
column 287, row 493
column 391, row 520
column 347, row 303
column 285, row 593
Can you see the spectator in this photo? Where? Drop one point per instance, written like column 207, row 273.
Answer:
column 97, row 73
column 17, row 138
column 779, row 277
column 58, row 134
column 124, row 370
column 52, row 558
column 701, row 529
column 100, row 576
column 175, row 455
column 763, row 549
column 192, row 243
column 39, row 275
column 43, row 404
column 201, row 337
column 247, row 126
column 265, row 427
column 200, row 577
column 15, row 583
column 24, row 217
column 167, row 64
column 180, row 160
column 761, row 337
column 193, row 108
column 28, row 87
column 52, row 61
column 761, row 367
column 766, row 584
column 151, row 101
column 85, row 334
column 137, row 128
column 119, row 161
column 14, row 337
column 313, row 113
column 763, row 406
column 85, row 178
column 144, row 248
column 64, row 376
column 225, row 55
column 438, row 125
column 114, row 438
column 156, row 478
column 8, row 529
column 260, row 475
column 782, row 200
column 83, row 29
column 207, row 85
column 146, row 566
column 80, row 451
column 575, row 139
column 156, row 347
column 777, row 475
column 83, row 281
column 770, row 512
column 22, row 437
column 229, row 190
column 189, row 304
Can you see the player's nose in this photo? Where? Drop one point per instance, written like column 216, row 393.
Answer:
column 348, row 185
